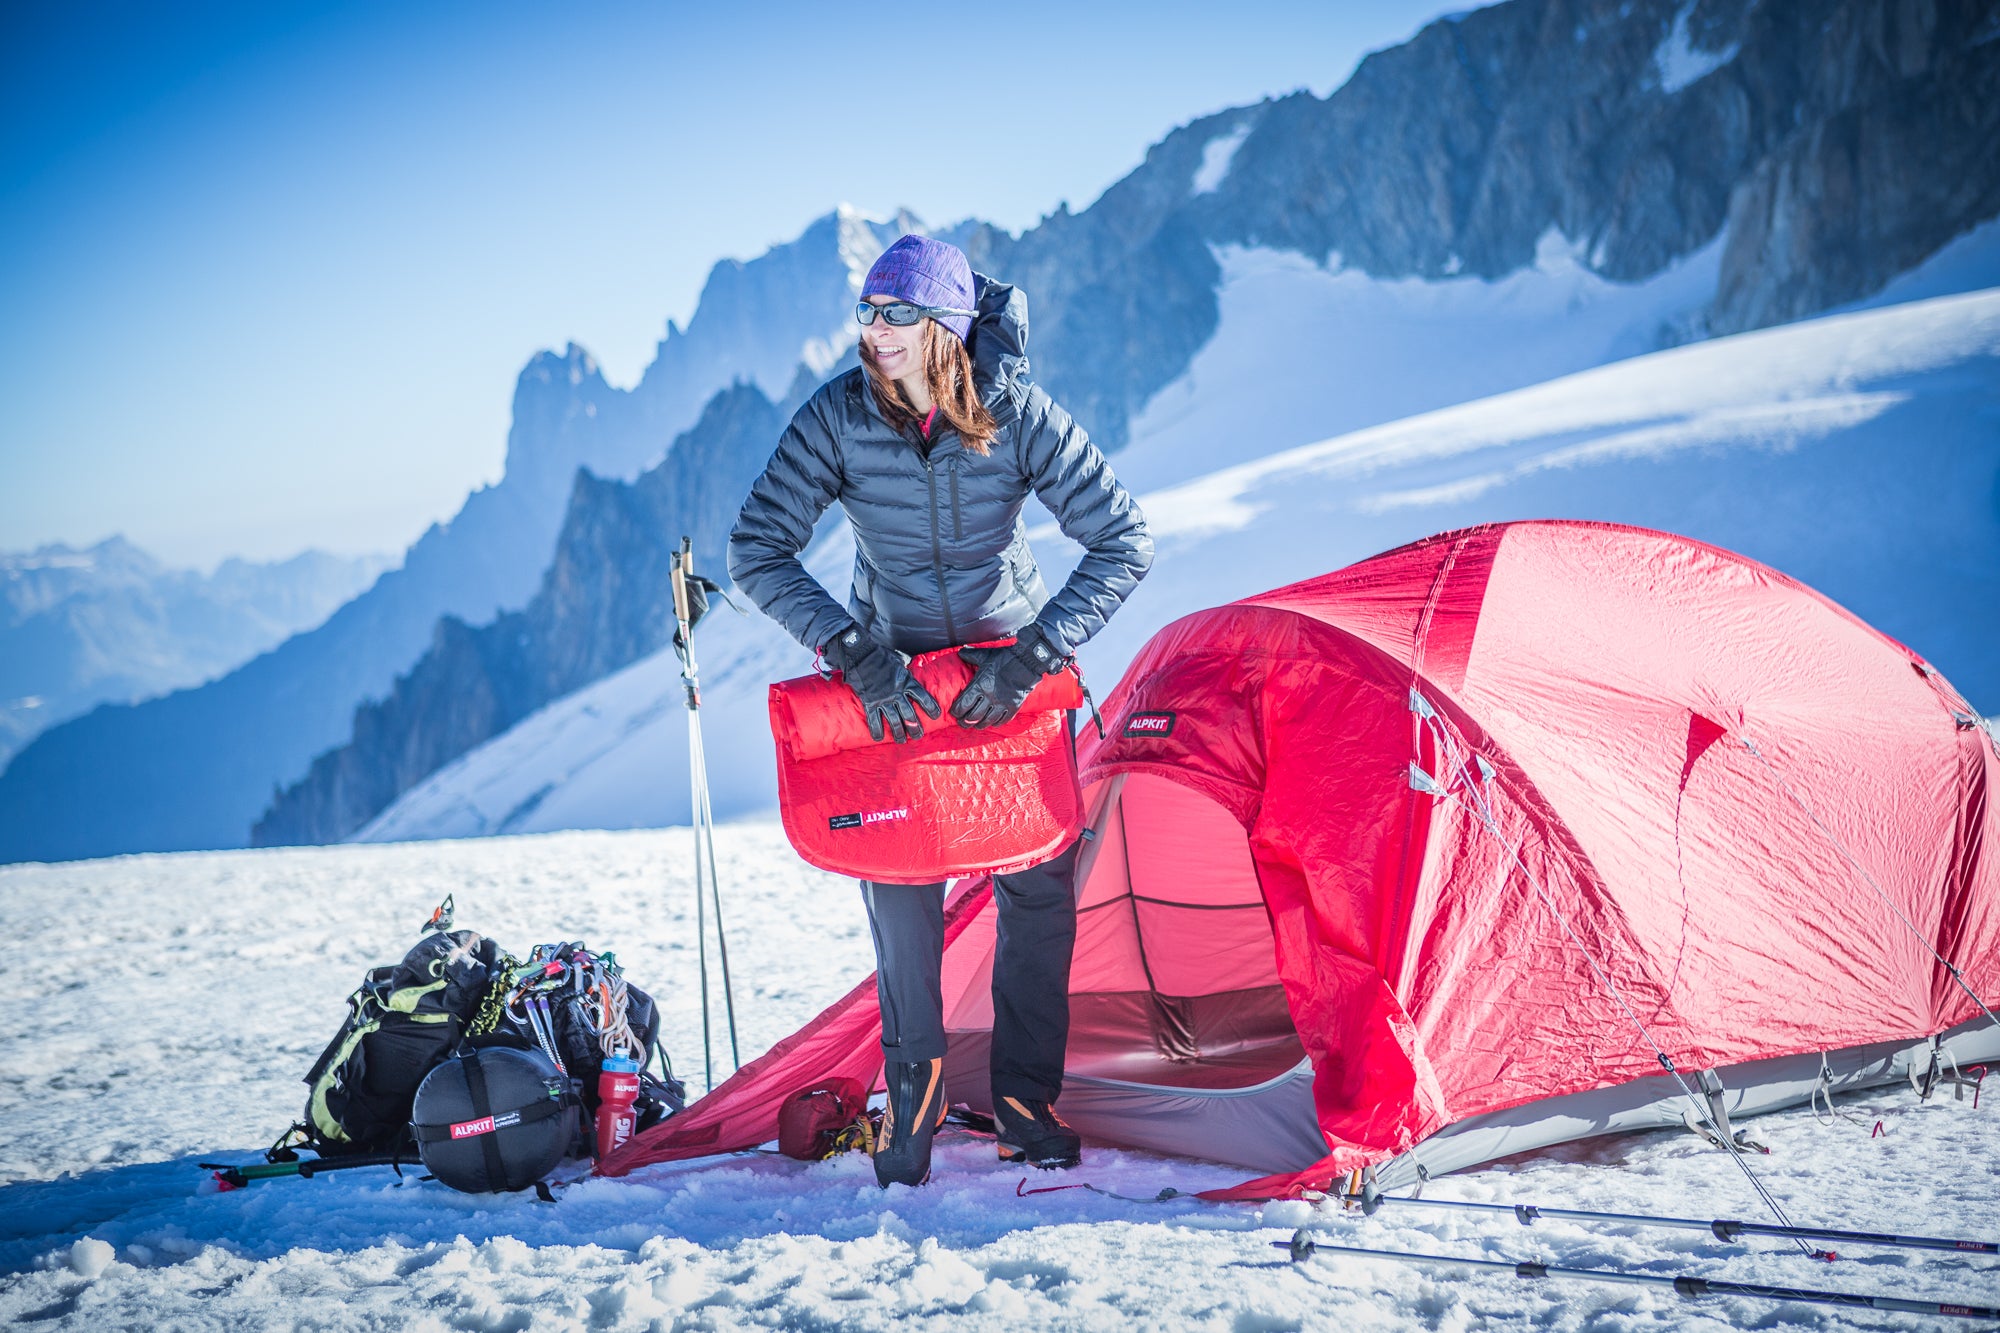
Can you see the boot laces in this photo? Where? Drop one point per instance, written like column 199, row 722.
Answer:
column 1039, row 1114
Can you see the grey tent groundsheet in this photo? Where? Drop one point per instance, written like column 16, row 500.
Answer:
column 1752, row 1089
column 1270, row 1127
column 1267, row 1126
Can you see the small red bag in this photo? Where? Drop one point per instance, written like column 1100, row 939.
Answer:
column 955, row 801
column 813, row 1121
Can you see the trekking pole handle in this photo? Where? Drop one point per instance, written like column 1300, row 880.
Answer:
column 682, row 566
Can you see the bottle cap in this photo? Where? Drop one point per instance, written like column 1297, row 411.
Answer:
column 620, row 1064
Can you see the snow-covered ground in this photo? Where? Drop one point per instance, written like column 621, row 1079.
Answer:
column 1858, row 452
column 165, row 1007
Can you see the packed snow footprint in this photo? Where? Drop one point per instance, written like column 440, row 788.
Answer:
column 178, row 999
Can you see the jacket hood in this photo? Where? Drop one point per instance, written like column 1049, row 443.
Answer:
column 999, row 346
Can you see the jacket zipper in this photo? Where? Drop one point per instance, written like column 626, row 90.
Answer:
column 937, row 554
column 957, row 524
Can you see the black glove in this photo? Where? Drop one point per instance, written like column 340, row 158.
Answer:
column 1002, row 678
column 881, row 680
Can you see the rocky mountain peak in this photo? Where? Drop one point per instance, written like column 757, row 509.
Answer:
column 558, row 400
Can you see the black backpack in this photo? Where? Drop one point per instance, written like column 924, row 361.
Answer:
column 453, row 989
column 400, row 1024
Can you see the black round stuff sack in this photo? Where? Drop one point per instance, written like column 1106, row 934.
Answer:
column 494, row 1118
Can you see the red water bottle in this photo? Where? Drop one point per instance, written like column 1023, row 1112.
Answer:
column 617, row 1090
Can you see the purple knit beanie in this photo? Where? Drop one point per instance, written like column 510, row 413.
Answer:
column 923, row 271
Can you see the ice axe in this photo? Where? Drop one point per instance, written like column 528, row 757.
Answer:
column 691, row 594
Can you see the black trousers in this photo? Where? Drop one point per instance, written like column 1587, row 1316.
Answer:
column 1037, row 932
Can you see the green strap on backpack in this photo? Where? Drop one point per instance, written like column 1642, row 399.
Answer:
column 401, row 1023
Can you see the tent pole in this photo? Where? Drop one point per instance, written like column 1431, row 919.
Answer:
column 1724, row 1229
column 1303, row 1248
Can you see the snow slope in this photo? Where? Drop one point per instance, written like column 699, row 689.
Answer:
column 1860, row 453
column 166, row 1006
column 1304, row 351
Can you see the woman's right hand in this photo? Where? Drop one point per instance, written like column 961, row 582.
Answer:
column 880, row 678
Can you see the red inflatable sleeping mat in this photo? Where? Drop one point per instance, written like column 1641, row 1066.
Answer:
column 956, row 801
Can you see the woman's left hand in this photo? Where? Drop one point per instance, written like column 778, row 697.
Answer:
column 1002, row 678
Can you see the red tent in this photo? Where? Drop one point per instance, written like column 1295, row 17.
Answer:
column 1434, row 858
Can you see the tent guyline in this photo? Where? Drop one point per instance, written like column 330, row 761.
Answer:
column 1869, row 879
column 1480, row 802
column 1686, row 1284
column 1726, row 1230
column 1963, row 714
column 688, row 590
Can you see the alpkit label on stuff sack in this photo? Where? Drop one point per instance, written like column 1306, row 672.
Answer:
column 871, row 817
column 1150, row 724
column 466, row 1129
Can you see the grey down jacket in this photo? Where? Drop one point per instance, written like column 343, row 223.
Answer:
column 941, row 552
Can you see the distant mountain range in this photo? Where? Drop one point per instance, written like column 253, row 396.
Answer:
column 605, row 601
column 83, row 626
column 196, row 768
column 1737, row 163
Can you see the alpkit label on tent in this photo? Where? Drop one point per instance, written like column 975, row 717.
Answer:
column 1150, row 724
column 466, row 1129
column 872, row 817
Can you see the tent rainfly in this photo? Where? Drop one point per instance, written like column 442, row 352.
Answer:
column 1449, row 854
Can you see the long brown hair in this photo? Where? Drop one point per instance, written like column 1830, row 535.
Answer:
column 948, row 376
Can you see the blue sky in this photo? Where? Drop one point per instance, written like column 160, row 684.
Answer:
column 268, row 271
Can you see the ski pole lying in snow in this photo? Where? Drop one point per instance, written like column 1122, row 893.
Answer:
column 1724, row 1229
column 237, row 1177
column 1687, row 1285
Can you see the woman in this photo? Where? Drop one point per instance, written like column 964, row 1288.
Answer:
column 932, row 447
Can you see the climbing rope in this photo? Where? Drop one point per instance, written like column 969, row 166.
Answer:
column 523, row 993
column 614, row 1027
column 1480, row 803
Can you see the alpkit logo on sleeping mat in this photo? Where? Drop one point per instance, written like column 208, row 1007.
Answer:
column 1150, row 724
column 872, row 817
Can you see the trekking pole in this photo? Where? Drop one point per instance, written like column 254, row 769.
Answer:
column 1686, row 1284
column 1723, row 1229
column 715, row 890
column 305, row 1168
column 705, row 877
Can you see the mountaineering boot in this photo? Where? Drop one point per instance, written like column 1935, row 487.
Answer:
column 1032, row 1132
column 916, row 1109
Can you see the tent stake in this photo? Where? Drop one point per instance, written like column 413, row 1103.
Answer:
column 1302, row 1249
column 1724, row 1229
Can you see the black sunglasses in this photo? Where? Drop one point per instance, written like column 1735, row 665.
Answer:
column 903, row 314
